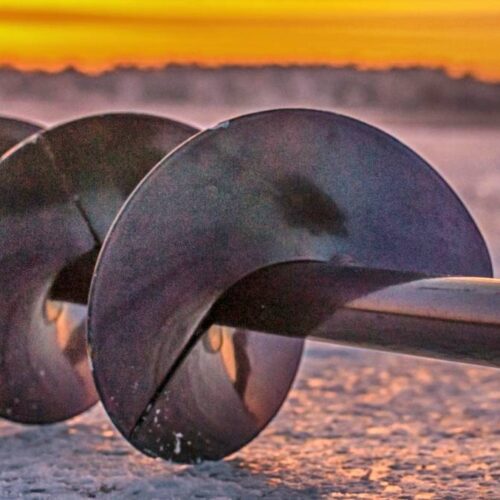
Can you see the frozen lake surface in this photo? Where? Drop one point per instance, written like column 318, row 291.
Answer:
column 357, row 424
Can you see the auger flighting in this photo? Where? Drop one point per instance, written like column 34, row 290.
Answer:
column 297, row 223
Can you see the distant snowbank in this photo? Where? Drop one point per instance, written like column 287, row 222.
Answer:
column 396, row 90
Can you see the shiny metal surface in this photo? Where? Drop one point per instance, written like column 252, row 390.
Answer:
column 273, row 187
column 451, row 318
column 13, row 131
column 59, row 192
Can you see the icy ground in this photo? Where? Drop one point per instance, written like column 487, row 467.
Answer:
column 357, row 424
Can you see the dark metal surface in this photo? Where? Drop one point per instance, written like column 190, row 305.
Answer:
column 288, row 185
column 13, row 131
column 59, row 192
column 451, row 318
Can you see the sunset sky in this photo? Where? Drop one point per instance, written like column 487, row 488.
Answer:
column 463, row 36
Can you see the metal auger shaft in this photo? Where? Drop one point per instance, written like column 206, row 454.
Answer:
column 450, row 318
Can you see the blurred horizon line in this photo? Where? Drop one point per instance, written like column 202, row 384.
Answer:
column 360, row 68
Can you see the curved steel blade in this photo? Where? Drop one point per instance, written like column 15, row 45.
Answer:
column 13, row 131
column 271, row 187
column 59, row 193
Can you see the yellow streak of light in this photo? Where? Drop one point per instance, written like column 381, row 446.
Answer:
column 462, row 36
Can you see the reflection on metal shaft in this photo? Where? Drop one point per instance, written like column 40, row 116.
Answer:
column 451, row 318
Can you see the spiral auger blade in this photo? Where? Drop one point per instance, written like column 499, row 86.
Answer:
column 13, row 131
column 210, row 257
column 258, row 190
column 59, row 193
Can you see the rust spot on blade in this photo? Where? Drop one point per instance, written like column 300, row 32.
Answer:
column 305, row 205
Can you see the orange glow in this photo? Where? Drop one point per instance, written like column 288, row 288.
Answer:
column 462, row 36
